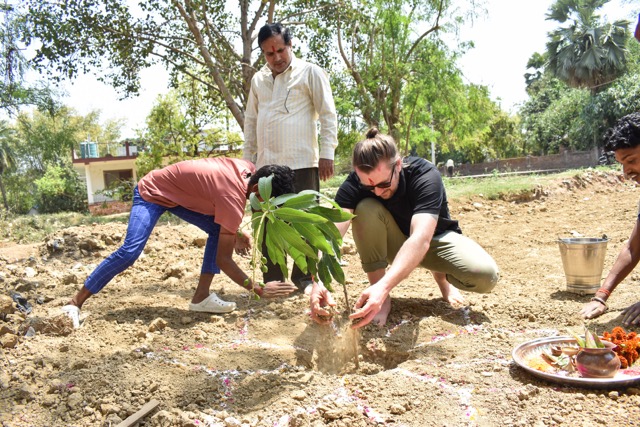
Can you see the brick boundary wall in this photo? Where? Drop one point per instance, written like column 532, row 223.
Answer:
column 564, row 160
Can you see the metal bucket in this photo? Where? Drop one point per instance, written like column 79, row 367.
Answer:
column 583, row 260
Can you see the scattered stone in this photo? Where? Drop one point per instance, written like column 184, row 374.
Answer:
column 177, row 270
column 397, row 409
column 298, row 395
column 75, row 400
column 9, row 340
column 6, row 305
column 55, row 245
column 112, row 420
column 109, row 408
column 199, row 242
column 90, row 244
column 69, row 279
column 157, row 325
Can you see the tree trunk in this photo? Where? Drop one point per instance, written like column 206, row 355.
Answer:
column 4, row 195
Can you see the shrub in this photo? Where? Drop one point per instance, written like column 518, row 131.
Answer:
column 61, row 190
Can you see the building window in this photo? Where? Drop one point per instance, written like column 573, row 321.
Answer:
column 111, row 178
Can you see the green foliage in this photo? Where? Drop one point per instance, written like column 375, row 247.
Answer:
column 121, row 190
column 51, row 137
column 176, row 131
column 61, row 190
column 586, row 52
column 14, row 91
column 590, row 340
column 557, row 115
column 295, row 225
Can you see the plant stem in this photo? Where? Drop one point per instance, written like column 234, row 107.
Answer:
column 356, row 362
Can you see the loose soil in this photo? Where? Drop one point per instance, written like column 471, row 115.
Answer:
column 267, row 364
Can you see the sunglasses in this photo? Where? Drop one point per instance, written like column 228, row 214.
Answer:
column 385, row 184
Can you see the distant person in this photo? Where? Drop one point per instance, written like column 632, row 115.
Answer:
column 287, row 99
column 402, row 222
column 210, row 194
column 449, row 166
column 623, row 139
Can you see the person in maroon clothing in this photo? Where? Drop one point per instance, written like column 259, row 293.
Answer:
column 210, row 194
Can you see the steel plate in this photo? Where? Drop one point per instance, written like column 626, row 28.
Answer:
column 530, row 349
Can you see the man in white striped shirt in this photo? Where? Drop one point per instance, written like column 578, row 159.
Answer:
column 287, row 99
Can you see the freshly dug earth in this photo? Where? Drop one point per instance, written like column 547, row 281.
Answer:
column 267, row 364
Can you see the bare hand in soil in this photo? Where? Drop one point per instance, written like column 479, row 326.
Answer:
column 631, row 314
column 374, row 305
column 322, row 304
column 277, row 289
column 592, row 310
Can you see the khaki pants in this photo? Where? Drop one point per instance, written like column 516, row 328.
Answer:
column 378, row 238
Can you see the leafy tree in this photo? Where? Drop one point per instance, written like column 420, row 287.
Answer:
column 47, row 138
column 178, row 129
column 7, row 157
column 14, row 93
column 209, row 42
column 586, row 53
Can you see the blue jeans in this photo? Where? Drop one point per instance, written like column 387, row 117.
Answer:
column 143, row 218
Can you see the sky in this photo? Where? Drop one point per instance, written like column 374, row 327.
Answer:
column 504, row 40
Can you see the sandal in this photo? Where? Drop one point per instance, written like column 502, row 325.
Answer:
column 213, row 304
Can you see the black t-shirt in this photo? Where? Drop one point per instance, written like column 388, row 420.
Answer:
column 420, row 190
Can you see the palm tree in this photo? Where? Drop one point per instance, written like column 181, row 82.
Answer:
column 586, row 52
column 7, row 158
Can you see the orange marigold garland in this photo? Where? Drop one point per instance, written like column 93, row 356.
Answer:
column 627, row 345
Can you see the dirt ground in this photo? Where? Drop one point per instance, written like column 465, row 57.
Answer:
column 267, row 364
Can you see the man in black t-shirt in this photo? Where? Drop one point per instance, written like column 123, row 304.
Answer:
column 402, row 222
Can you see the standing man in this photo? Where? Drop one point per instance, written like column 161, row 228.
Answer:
column 624, row 140
column 210, row 194
column 288, row 97
column 449, row 165
column 402, row 221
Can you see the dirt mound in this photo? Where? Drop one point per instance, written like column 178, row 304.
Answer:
column 267, row 364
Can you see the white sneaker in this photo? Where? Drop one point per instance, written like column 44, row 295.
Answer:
column 73, row 313
column 213, row 304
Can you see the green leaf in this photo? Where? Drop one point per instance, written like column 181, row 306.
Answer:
column 330, row 230
column 578, row 338
column 290, row 235
column 301, row 201
column 294, row 215
column 314, row 237
column 275, row 249
column 335, row 269
column 324, row 274
column 264, row 187
column 333, row 215
column 299, row 259
column 591, row 339
column 255, row 202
